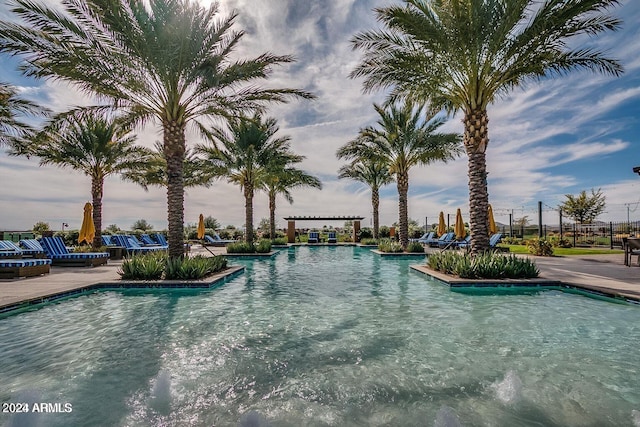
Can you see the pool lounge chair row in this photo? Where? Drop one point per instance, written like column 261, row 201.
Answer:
column 55, row 249
column 216, row 240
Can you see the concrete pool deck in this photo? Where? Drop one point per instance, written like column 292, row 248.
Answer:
column 604, row 274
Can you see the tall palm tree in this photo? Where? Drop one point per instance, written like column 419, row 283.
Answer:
column 94, row 145
column 243, row 154
column 462, row 55
column 166, row 61
column 403, row 139
column 282, row 177
column 13, row 131
column 373, row 173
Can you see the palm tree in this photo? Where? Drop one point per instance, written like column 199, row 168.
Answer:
column 281, row 177
column 373, row 173
column 167, row 61
column 13, row 131
column 401, row 140
column 93, row 144
column 244, row 154
column 461, row 55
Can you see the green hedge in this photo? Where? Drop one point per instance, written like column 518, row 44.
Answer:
column 263, row 246
column 490, row 265
column 156, row 266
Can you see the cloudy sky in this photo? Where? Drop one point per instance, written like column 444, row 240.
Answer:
column 547, row 139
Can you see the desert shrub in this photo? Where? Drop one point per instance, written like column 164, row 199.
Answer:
column 386, row 245
column 384, row 232
column 156, row 265
column 345, row 238
column 149, row 266
column 365, row 233
column 511, row 240
column 557, row 242
column 490, row 265
column 415, row 247
column 369, row 241
column 263, row 246
column 540, row 247
column 240, row 248
column 279, row 241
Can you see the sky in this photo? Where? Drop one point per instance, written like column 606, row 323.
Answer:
column 547, row 139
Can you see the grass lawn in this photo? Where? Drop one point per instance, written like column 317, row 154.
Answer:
column 521, row 249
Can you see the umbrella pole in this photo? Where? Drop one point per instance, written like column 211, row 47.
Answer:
column 208, row 250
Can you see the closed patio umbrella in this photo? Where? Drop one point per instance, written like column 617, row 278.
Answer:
column 492, row 223
column 88, row 229
column 442, row 228
column 460, row 231
column 201, row 227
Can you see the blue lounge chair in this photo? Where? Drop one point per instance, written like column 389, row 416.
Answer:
column 106, row 240
column 146, row 240
column 332, row 237
column 26, row 252
column 444, row 240
column 60, row 255
column 12, row 268
column 495, row 239
column 160, row 239
column 9, row 250
column 216, row 240
column 132, row 246
column 426, row 239
column 314, row 237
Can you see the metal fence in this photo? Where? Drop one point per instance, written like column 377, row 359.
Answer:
column 602, row 234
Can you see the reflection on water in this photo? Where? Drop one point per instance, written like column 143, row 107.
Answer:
column 325, row 337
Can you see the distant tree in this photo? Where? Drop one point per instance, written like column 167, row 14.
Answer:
column 142, row 224
column 584, row 208
column 113, row 229
column 522, row 222
column 211, row 222
column 40, row 226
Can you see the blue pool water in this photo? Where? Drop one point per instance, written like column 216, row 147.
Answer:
column 324, row 336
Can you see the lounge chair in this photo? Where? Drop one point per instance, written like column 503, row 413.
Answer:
column 444, row 240
column 8, row 250
column 463, row 244
column 314, row 237
column 333, row 238
column 12, row 268
column 494, row 240
column 160, row 239
column 426, row 238
column 146, row 240
column 106, row 240
column 60, row 255
column 216, row 240
column 26, row 252
column 631, row 247
column 132, row 246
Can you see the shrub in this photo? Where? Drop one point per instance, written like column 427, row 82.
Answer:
column 279, row 241
column 384, row 232
column 490, row 265
column 345, row 238
column 386, row 245
column 511, row 241
column 241, row 248
column 540, row 247
column 415, row 247
column 88, row 248
column 154, row 265
column 263, row 246
column 365, row 233
column 557, row 242
column 369, row 241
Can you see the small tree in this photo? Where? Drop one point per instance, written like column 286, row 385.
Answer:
column 211, row 222
column 584, row 208
column 142, row 224
column 112, row 229
column 41, row 226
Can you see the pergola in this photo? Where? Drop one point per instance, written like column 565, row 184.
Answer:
column 291, row 224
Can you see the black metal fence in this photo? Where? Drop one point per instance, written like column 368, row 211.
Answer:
column 602, row 234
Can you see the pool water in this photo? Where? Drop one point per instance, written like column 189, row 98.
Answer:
column 324, row 336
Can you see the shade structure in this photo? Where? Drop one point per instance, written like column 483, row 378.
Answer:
column 460, row 231
column 201, row 227
column 442, row 227
column 492, row 223
column 88, row 229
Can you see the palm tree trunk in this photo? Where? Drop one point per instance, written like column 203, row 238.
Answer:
column 403, row 189
column 476, row 139
column 248, row 209
column 375, row 201
column 272, row 214
column 97, row 186
column 174, row 149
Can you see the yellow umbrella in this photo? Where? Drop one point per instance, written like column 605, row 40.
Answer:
column 492, row 223
column 201, row 227
column 461, row 232
column 88, row 229
column 442, row 228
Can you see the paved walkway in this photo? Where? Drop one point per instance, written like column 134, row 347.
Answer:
column 603, row 273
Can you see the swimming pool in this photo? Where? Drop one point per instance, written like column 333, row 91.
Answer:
column 325, row 336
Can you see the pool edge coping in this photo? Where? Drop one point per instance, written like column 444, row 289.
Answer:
column 540, row 282
column 212, row 282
